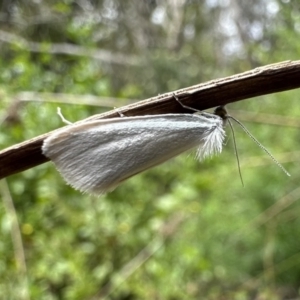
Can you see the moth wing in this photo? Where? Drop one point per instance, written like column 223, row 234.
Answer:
column 96, row 156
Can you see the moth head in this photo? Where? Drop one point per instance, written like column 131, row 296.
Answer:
column 222, row 113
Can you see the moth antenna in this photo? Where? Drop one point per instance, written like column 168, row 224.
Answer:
column 236, row 153
column 260, row 145
column 222, row 113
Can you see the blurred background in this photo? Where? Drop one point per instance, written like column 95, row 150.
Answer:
column 183, row 230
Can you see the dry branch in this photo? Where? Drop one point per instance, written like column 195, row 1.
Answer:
column 260, row 81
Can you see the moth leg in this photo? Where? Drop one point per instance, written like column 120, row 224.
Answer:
column 185, row 106
column 120, row 113
column 62, row 117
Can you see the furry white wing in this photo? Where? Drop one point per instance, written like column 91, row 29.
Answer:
column 96, row 156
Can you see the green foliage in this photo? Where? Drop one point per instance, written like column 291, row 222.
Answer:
column 183, row 230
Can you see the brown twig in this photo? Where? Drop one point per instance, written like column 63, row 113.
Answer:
column 260, row 81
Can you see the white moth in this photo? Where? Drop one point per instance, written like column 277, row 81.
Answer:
column 97, row 156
